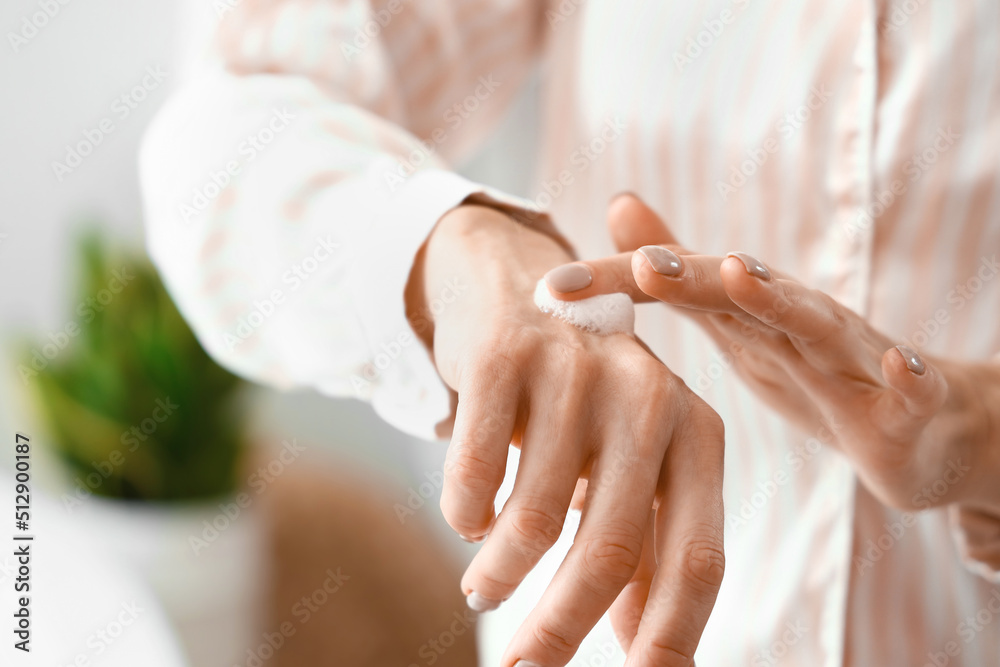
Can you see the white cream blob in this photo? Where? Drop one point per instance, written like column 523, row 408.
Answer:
column 604, row 314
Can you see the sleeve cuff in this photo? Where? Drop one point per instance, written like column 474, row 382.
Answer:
column 977, row 537
column 400, row 379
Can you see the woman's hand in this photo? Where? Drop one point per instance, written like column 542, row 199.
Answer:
column 578, row 405
column 907, row 423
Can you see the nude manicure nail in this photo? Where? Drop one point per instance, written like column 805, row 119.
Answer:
column 754, row 266
column 569, row 278
column 478, row 603
column 619, row 195
column 662, row 260
column 913, row 361
column 525, row 663
column 473, row 540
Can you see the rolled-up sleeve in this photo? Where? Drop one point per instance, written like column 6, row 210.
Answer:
column 977, row 536
column 290, row 183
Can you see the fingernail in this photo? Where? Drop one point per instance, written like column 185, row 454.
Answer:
column 478, row 603
column 623, row 193
column 662, row 260
column 473, row 540
column 754, row 266
column 569, row 278
column 525, row 663
column 912, row 359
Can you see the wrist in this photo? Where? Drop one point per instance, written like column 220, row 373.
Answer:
column 478, row 268
column 499, row 259
column 489, row 244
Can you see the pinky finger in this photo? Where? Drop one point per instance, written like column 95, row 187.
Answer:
column 917, row 390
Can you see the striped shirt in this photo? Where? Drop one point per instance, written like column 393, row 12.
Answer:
column 853, row 144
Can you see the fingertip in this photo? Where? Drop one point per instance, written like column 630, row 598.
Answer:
column 913, row 378
column 566, row 282
column 643, row 274
column 903, row 368
column 735, row 278
column 654, row 268
column 747, row 290
column 456, row 512
column 914, row 362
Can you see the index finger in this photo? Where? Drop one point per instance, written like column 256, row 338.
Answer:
column 582, row 280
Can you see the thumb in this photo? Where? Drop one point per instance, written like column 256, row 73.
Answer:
column 633, row 224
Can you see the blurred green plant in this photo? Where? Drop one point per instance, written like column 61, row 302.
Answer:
column 133, row 397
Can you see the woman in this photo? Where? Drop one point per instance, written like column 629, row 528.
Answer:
column 301, row 211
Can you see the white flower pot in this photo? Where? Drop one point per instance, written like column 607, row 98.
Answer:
column 212, row 597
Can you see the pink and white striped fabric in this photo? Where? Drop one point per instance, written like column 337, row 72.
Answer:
column 853, row 144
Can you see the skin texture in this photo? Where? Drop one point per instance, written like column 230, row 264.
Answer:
column 578, row 405
column 815, row 361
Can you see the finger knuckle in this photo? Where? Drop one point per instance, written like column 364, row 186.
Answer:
column 554, row 640
column 533, row 530
column 660, row 652
column 659, row 386
column 701, row 561
column 710, row 421
column 499, row 359
column 471, row 474
column 611, row 558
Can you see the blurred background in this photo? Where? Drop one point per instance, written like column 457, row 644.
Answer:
column 284, row 548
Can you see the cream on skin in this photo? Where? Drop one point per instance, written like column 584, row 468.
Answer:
column 904, row 417
column 604, row 314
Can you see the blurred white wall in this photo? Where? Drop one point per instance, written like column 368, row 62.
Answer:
column 59, row 82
